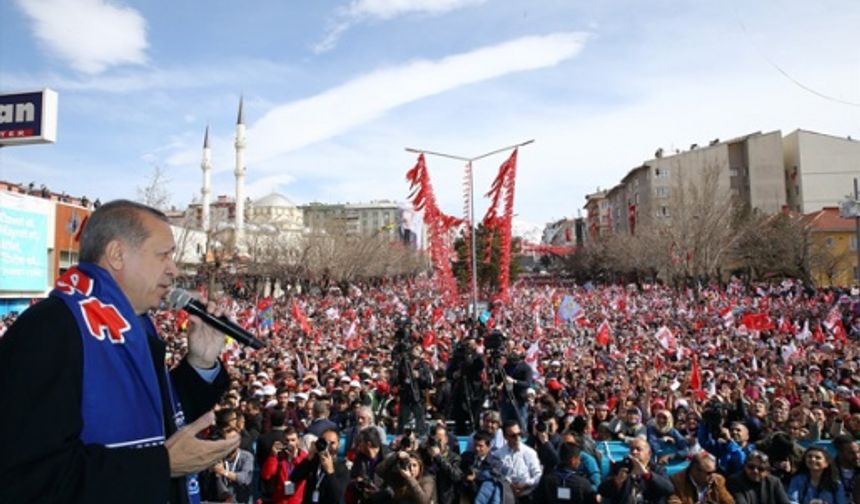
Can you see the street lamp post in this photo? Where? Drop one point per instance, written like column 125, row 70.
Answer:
column 471, row 216
column 851, row 209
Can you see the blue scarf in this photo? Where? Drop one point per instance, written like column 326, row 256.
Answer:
column 121, row 400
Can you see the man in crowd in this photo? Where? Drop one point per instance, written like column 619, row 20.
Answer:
column 481, row 481
column 444, row 465
column 370, row 451
column 413, row 381
column 275, row 472
column 464, row 371
column 634, row 480
column 91, row 347
column 518, row 463
column 320, row 422
column 231, row 480
column 324, row 474
column 564, row 484
column 700, row 483
column 754, row 484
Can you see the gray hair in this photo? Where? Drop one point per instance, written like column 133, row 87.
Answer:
column 116, row 219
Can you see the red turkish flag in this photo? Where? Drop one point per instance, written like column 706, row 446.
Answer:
column 695, row 374
column 300, row 316
column 604, row 333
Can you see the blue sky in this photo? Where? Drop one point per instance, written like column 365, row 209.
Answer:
column 335, row 90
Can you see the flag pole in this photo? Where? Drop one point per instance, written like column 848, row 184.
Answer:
column 472, row 230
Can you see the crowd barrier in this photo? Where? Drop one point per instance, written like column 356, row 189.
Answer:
column 610, row 451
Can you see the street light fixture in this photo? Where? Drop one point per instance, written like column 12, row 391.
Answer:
column 849, row 209
column 471, row 216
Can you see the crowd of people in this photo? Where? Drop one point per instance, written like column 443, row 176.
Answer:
column 388, row 393
column 384, row 394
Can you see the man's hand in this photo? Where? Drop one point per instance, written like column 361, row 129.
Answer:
column 434, row 451
column 638, row 467
column 205, row 343
column 621, row 477
column 188, row 454
column 327, row 462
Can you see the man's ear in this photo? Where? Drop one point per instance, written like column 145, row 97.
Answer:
column 114, row 255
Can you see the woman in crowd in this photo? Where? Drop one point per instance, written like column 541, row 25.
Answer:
column 816, row 482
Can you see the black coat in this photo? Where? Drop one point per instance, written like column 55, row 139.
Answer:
column 746, row 491
column 41, row 378
column 332, row 488
column 579, row 487
column 655, row 489
column 446, row 470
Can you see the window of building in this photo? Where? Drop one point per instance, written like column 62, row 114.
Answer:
column 853, row 243
column 662, row 192
column 828, row 242
column 663, row 211
column 733, row 172
column 661, row 172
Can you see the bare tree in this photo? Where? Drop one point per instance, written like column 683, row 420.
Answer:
column 699, row 233
column 155, row 192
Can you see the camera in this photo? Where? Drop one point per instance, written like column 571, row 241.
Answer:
column 321, row 445
column 494, row 340
column 625, row 463
column 403, row 463
column 714, row 417
column 406, row 441
column 542, row 426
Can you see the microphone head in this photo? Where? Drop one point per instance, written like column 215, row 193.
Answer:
column 178, row 298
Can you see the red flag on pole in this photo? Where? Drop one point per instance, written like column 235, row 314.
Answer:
column 695, row 375
column 604, row 333
column 300, row 316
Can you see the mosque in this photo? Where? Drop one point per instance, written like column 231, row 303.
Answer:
column 238, row 224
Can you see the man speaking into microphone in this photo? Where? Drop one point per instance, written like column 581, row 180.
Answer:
column 90, row 412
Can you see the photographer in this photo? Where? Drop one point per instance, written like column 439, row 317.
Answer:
column 480, row 482
column 634, row 480
column 405, row 481
column 716, row 439
column 275, row 473
column 464, row 372
column 324, row 475
column 546, row 440
column 518, row 381
column 231, row 481
column 443, row 464
column 369, row 453
column 414, row 377
column 564, row 483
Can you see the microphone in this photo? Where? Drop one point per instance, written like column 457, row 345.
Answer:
column 181, row 299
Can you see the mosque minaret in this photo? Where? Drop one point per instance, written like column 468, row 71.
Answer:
column 240, row 178
column 206, row 190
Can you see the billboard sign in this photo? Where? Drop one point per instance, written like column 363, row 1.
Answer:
column 23, row 245
column 28, row 117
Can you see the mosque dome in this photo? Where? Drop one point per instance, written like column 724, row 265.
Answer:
column 274, row 199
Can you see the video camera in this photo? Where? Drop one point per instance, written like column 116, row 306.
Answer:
column 494, row 341
column 714, row 417
column 402, row 334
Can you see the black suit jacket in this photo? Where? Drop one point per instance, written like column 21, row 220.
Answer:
column 331, row 487
column 41, row 373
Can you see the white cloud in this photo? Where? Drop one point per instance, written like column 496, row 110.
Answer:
column 359, row 10
column 294, row 125
column 388, row 9
column 90, row 35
